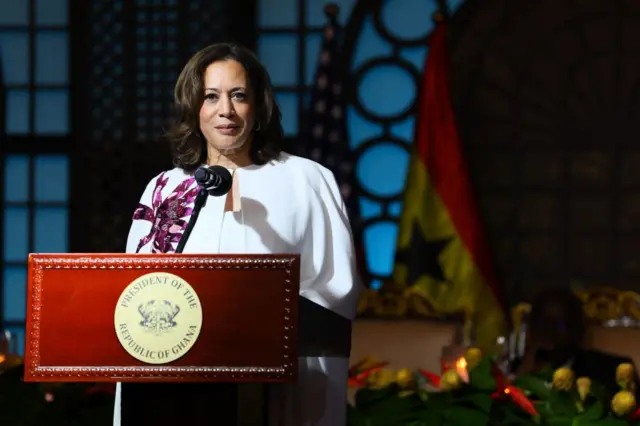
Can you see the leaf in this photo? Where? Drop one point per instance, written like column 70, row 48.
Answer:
column 367, row 397
column 355, row 417
column 559, row 421
column 546, row 374
column 562, row 404
column 509, row 415
column 430, row 417
column 481, row 376
column 481, row 401
column 535, row 384
column 610, row 421
column 593, row 412
column 462, row 416
column 395, row 410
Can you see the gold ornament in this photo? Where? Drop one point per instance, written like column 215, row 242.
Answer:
column 601, row 303
column 623, row 403
column 563, row 379
column 584, row 387
column 404, row 378
column 517, row 315
column 630, row 304
column 369, row 300
column 381, row 379
column 624, row 376
column 450, row 380
column 391, row 305
column 473, row 356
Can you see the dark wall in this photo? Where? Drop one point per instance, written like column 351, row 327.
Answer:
column 547, row 96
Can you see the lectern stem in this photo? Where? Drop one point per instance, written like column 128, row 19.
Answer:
column 193, row 404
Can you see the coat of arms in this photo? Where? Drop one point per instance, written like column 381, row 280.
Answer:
column 158, row 317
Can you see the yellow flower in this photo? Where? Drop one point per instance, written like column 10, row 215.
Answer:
column 584, row 387
column 450, row 380
column 381, row 378
column 404, row 378
column 473, row 357
column 563, row 379
column 623, row 403
column 624, row 375
column 625, row 371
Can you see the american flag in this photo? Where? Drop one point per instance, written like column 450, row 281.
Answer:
column 3, row 96
column 327, row 141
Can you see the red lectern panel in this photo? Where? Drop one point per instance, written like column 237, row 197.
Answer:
column 248, row 329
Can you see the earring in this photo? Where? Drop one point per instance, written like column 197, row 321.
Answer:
column 257, row 127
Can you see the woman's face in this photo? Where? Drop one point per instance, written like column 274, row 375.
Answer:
column 227, row 114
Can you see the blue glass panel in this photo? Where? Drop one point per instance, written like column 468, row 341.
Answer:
column 17, row 111
column 312, row 52
column 279, row 54
column 52, row 178
column 51, row 230
column 387, row 90
column 13, row 12
column 369, row 208
column 52, row 12
column 52, row 111
column 16, row 178
column 16, row 234
column 14, row 56
column 415, row 56
column 315, row 11
column 15, row 293
column 395, row 209
column 454, row 5
column 405, row 130
column 288, row 103
column 395, row 159
column 408, row 19
column 17, row 339
column 369, row 45
column 278, row 13
column 52, row 57
column 380, row 241
column 360, row 129
column 376, row 285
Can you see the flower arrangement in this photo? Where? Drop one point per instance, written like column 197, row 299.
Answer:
column 475, row 392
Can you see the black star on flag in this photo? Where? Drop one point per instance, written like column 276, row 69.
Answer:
column 326, row 140
column 422, row 257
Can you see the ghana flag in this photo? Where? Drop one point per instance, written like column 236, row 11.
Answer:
column 441, row 254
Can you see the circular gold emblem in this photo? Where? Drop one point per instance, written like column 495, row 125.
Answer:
column 158, row 318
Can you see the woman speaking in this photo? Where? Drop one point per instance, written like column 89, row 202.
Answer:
column 277, row 203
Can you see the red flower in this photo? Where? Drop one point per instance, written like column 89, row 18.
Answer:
column 358, row 377
column 505, row 390
column 433, row 378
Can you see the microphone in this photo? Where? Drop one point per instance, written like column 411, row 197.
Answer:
column 216, row 180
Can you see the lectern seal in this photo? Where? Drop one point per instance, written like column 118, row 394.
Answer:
column 158, row 318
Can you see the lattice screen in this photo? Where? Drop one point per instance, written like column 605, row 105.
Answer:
column 137, row 51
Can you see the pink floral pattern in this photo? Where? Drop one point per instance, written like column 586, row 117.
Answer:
column 168, row 217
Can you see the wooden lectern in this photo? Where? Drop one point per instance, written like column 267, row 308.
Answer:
column 248, row 327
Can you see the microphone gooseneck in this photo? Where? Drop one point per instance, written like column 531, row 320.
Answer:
column 216, row 180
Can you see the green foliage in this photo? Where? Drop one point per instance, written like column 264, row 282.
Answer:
column 24, row 404
column 472, row 404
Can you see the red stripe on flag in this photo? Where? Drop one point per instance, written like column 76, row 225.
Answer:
column 439, row 148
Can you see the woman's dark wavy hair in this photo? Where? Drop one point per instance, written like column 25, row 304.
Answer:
column 188, row 142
